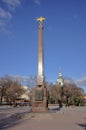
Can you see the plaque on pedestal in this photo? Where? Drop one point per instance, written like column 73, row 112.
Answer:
column 39, row 95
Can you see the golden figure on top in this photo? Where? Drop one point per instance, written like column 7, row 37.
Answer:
column 41, row 19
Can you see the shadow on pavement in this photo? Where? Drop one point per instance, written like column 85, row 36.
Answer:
column 54, row 109
column 82, row 125
column 11, row 121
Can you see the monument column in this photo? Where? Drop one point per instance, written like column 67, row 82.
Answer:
column 40, row 75
column 39, row 102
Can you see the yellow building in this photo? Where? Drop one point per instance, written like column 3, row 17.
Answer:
column 26, row 94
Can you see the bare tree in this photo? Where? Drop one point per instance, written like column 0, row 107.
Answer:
column 4, row 83
column 10, row 89
column 72, row 94
column 13, row 92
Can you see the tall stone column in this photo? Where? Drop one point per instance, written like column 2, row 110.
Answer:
column 39, row 102
column 40, row 75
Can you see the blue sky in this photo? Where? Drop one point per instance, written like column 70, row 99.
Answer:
column 64, row 38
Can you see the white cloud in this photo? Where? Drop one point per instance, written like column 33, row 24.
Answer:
column 4, row 14
column 37, row 2
column 7, row 13
column 12, row 4
column 81, row 81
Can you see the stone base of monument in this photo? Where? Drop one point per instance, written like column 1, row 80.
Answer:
column 39, row 108
column 39, row 103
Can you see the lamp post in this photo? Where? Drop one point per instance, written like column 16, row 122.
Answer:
column 61, row 95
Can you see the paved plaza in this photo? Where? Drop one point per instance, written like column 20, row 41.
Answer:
column 54, row 119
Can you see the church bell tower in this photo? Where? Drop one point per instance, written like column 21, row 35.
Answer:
column 60, row 80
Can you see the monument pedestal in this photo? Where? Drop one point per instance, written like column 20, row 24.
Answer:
column 39, row 103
